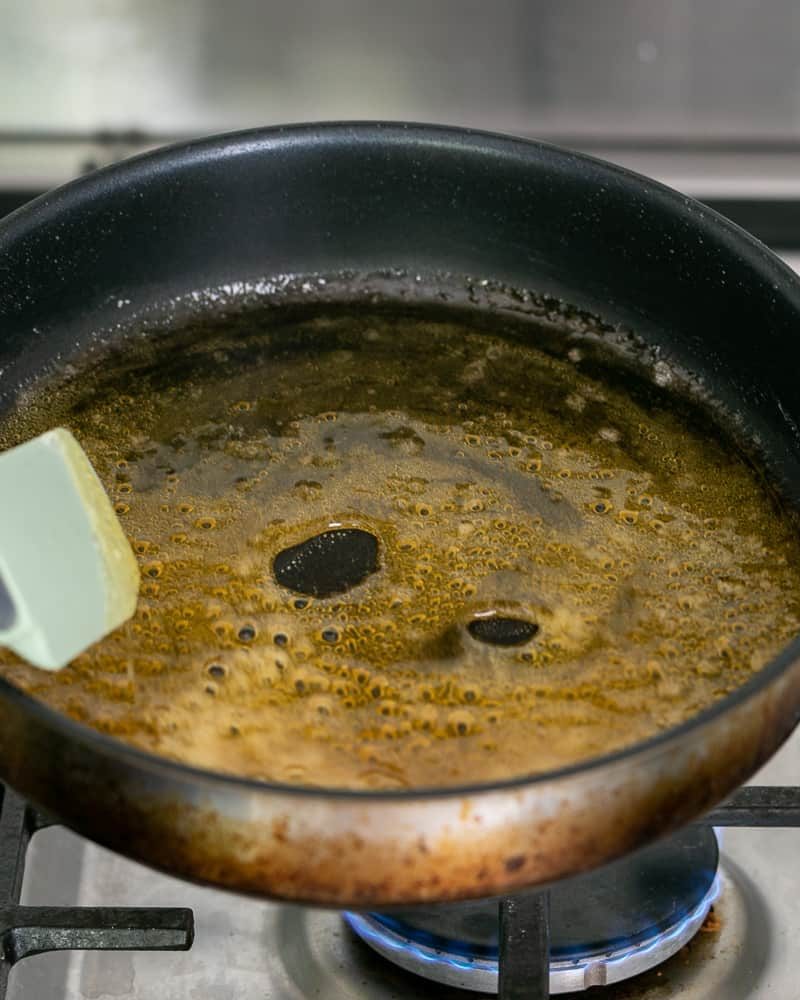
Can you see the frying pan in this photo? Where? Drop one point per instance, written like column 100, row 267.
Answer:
column 360, row 198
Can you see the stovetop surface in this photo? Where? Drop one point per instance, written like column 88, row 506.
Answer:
column 248, row 949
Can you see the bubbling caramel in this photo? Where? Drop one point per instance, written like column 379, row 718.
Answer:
column 557, row 558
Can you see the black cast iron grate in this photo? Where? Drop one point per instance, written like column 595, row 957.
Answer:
column 33, row 930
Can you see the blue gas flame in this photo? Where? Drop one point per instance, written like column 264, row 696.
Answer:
column 387, row 938
column 403, row 939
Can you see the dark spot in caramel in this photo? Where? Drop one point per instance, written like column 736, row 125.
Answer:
column 332, row 562
column 502, row 631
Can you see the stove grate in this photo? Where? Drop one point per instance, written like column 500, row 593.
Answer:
column 33, row 930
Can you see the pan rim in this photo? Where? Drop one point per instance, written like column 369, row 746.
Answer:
column 481, row 144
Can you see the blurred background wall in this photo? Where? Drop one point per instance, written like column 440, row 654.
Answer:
column 92, row 79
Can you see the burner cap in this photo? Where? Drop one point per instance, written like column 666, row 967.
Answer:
column 605, row 926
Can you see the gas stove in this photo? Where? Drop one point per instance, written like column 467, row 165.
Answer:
column 705, row 914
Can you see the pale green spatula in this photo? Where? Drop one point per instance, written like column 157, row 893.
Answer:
column 68, row 576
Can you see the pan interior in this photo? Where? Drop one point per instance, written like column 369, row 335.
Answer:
column 394, row 546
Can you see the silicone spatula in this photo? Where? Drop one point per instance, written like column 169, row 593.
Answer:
column 68, row 576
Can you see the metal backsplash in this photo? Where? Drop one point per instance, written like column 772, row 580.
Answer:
column 669, row 75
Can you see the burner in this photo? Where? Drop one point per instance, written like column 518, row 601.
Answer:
column 606, row 926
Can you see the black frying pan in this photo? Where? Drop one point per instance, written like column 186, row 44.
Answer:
column 367, row 198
